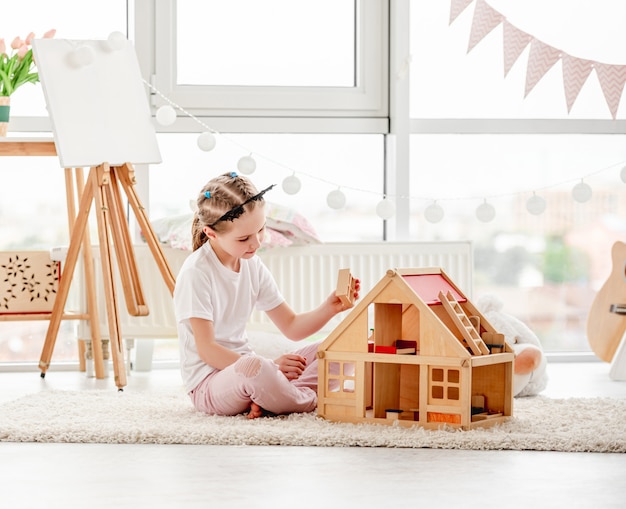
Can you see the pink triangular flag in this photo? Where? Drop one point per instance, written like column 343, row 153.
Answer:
column 575, row 74
column 541, row 58
column 457, row 7
column 612, row 79
column 485, row 20
column 514, row 41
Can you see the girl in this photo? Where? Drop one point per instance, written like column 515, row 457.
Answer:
column 217, row 288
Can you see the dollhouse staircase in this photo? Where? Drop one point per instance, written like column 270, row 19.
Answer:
column 472, row 339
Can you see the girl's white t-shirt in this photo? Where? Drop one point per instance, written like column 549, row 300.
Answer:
column 208, row 290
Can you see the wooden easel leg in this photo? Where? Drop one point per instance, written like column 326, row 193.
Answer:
column 126, row 176
column 90, row 289
column 104, row 220
column 129, row 274
column 58, row 308
column 102, row 188
column 70, row 196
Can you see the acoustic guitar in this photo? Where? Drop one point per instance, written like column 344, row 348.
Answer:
column 606, row 323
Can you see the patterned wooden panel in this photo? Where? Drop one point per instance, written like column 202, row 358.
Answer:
column 28, row 282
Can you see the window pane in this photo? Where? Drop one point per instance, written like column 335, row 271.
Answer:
column 72, row 19
column 545, row 268
column 322, row 163
column 269, row 43
column 447, row 81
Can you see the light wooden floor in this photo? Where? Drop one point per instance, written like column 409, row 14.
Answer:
column 170, row 476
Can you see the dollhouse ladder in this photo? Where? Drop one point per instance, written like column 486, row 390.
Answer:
column 459, row 317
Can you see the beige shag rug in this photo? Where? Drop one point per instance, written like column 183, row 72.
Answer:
column 539, row 423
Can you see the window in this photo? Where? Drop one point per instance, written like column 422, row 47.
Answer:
column 449, row 82
column 477, row 140
column 276, row 58
column 321, row 162
column 266, row 49
column 97, row 21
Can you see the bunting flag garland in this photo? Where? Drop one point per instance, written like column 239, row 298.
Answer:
column 514, row 42
column 612, row 79
column 542, row 57
column 457, row 7
column 575, row 74
column 488, row 20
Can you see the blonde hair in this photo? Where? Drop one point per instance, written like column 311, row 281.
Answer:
column 217, row 201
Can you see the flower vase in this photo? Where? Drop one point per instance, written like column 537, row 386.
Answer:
column 5, row 108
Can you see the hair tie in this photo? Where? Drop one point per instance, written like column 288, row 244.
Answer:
column 233, row 174
column 207, row 194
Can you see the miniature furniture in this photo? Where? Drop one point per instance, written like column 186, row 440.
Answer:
column 409, row 353
column 345, row 288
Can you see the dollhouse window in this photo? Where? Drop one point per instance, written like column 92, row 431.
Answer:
column 340, row 377
column 445, row 384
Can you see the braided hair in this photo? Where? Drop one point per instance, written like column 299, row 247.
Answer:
column 218, row 198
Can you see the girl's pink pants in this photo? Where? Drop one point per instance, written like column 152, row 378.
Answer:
column 256, row 379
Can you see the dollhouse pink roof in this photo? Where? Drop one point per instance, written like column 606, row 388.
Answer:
column 428, row 286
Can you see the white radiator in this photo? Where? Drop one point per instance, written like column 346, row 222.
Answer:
column 306, row 276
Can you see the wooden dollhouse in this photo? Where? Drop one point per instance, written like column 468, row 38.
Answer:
column 416, row 351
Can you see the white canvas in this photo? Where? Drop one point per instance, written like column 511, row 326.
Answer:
column 97, row 104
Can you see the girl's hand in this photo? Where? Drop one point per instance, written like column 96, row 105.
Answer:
column 291, row 365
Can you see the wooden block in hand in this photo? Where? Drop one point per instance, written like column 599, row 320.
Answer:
column 345, row 288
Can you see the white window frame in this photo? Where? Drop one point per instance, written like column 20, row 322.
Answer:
column 367, row 102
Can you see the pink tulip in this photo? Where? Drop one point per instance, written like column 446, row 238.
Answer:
column 29, row 38
column 3, row 47
column 17, row 43
column 21, row 53
column 50, row 34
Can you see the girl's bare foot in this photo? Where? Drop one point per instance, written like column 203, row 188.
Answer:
column 255, row 411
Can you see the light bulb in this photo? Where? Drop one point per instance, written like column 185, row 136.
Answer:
column 116, row 41
column 433, row 213
column 582, row 192
column 246, row 165
column 386, row 208
column 291, row 184
column 536, row 205
column 82, row 56
column 485, row 212
column 166, row 115
column 336, row 199
column 206, row 141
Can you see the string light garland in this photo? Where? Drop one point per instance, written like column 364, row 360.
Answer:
column 385, row 208
column 582, row 192
column 206, row 141
column 246, row 165
column 292, row 184
column 485, row 212
column 536, row 205
column 336, row 199
column 434, row 212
